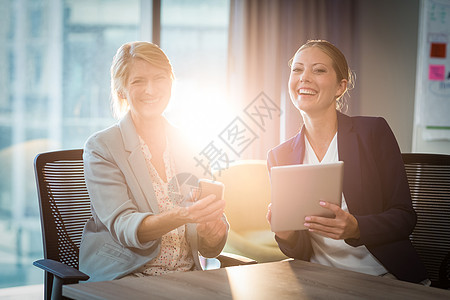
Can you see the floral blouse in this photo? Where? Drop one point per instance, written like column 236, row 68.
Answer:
column 175, row 254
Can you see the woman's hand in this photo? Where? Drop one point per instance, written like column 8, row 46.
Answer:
column 205, row 210
column 202, row 211
column 284, row 235
column 212, row 232
column 208, row 212
column 343, row 226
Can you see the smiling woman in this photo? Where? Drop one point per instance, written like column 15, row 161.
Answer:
column 148, row 90
column 130, row 168
column 140, row 75
column 313, row 83
column 326, row 61
column 369, row 232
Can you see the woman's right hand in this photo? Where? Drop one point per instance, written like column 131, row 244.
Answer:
column 284, row 235
column 207, row 209
column 204, row 210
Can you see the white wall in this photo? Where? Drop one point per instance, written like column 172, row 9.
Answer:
column 386, row 73
column 387, row 38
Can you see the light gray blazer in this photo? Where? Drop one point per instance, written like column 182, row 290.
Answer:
column 122, row 195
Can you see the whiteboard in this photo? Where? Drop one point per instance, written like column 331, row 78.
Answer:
column 432, row 103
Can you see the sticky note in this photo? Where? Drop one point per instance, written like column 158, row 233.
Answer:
column 436, row 72
column 438, row 50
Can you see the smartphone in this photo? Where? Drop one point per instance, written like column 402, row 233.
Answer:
column 207, row 187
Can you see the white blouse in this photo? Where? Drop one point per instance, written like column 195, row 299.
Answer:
column 337, row 253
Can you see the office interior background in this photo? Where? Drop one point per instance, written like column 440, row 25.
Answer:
column 54, row 77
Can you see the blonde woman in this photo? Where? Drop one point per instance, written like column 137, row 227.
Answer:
column 140, row 225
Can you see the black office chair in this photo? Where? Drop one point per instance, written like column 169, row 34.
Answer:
column 429, row 183
column 64, row 209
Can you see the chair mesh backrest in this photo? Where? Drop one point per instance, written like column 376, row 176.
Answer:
column 64, row 203
column 429, row 182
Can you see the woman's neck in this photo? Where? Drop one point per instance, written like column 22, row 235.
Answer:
column 152, row 131
column 320, row 131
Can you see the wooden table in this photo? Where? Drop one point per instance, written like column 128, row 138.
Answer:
column 278, row 280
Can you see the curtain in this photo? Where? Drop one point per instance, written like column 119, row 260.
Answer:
column 263, row 36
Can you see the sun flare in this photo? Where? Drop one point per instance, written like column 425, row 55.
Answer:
column 200, row 113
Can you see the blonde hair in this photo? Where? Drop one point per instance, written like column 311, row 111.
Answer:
column 340, row 66
column 120, row 69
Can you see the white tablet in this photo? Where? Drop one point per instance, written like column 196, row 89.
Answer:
column 297, row 189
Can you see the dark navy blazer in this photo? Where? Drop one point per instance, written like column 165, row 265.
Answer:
column 376, row 191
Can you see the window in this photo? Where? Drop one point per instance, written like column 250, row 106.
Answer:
column 54, row 76
column 194, row 35
column 55, row 57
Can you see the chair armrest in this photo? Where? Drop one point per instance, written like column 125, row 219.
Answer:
column 229, row 260
column 62, row 274
column 60, row 270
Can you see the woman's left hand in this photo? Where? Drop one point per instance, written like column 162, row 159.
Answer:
column 212, row 232
column 343, row 226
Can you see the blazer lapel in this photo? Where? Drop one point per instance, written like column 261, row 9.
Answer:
column 295, row 150
column 137, row 161
column 298, row 153
column 349, row 153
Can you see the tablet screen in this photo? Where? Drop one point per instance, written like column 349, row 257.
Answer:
column 297, row 189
